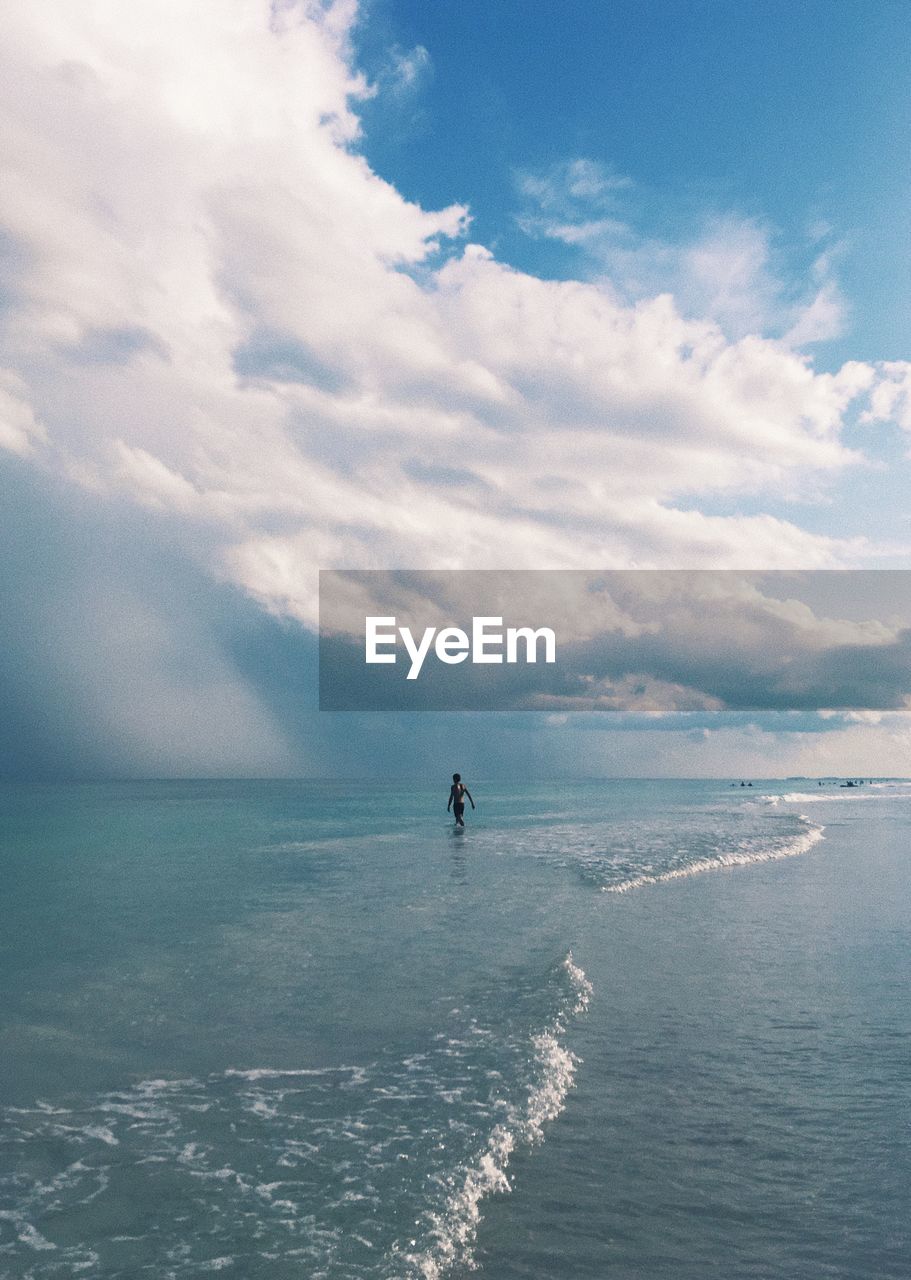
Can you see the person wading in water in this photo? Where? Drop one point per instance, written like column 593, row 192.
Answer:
column 457, row 793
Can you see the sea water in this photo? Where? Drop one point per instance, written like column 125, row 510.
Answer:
column 611, row 1029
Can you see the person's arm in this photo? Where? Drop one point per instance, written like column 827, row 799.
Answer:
column 468, row 793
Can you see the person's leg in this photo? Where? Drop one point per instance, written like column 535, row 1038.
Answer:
column 459, row 810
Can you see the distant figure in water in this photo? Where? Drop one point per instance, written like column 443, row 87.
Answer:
column 457, row 793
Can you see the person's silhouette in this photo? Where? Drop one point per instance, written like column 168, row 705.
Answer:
column 457, row 793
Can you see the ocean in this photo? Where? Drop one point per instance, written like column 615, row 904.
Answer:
column 628, row 1029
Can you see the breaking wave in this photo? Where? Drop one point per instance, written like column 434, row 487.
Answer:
column 876, row 791
column 376, row 1169
column 453, row 1228
column 726, row 859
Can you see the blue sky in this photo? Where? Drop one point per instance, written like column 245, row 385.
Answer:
column 795, row 115
column 287, row 286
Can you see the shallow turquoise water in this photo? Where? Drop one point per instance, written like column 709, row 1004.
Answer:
column 296, row 1029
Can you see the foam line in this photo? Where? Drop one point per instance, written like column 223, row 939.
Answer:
column 801, row 844
column 454, row 1228
column 827, row 797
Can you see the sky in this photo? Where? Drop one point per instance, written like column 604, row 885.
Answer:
column 294, row 286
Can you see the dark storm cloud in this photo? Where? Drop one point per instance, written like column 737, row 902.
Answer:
column 115, row 650
column 119, row 656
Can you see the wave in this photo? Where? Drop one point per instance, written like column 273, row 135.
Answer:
column 330, row 1169
column 827, row 797
column 721, row 861
column 453, row 1229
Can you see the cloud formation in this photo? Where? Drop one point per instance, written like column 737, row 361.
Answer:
column 723, row 271
column 216, row 307
column 890, row 399
column 215, row 317
column 117, row 656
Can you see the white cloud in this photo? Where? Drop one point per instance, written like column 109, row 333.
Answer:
column 224, row 314
column 890, row 399
column 19, row 429
column 725, row 272
column 571, row 186
column 819, row 319
column 408, row 70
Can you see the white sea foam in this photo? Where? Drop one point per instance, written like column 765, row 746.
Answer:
column 719, row 862
column 827, row 797
column 545, row 1102
column 277, row 1073
column 319, row 1162
column 356, row 1075
column 88, row 1263
column 102, row 1133
column 26, row 1232
column 580, row 983
column 453, row 1229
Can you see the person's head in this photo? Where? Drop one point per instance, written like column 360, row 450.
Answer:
column 457, row 777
